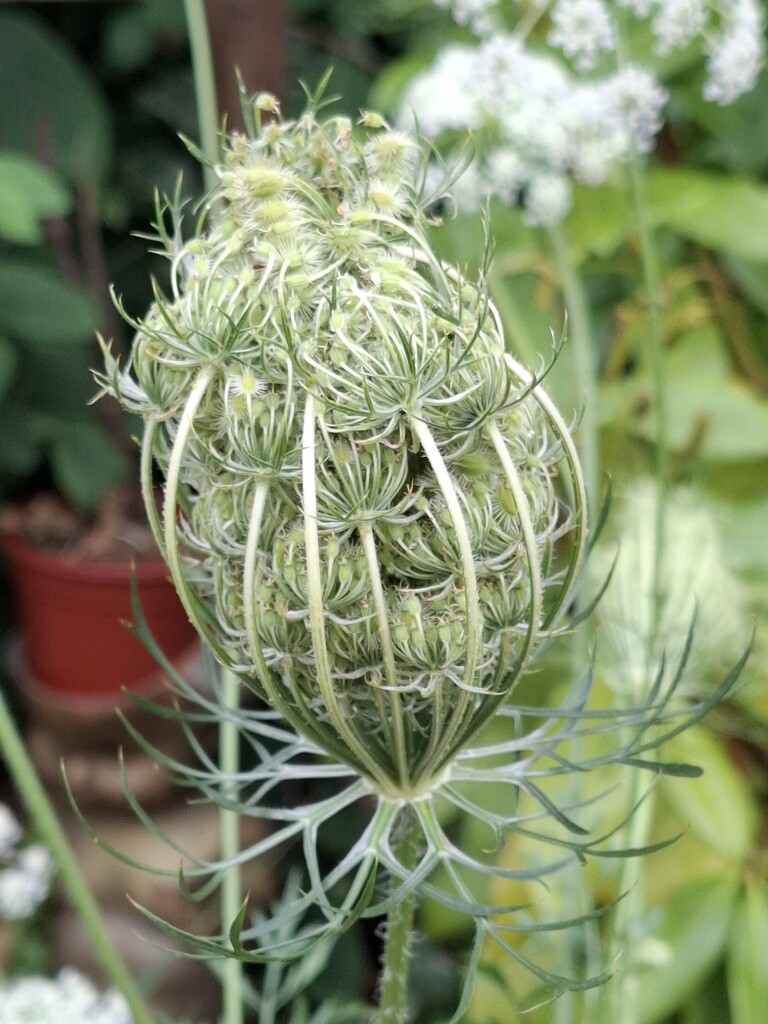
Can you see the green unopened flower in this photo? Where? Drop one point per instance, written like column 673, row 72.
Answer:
column 373, row 513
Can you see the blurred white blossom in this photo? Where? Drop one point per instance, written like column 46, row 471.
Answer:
column 736, row 56
column 582, row 29
column 550, row 125
column 26, row 882
column 10, row 831
column 676, row 23
column 70, row 998
column 546, row 118
column 26, row 873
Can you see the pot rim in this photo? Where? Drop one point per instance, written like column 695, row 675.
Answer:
column 25, row 555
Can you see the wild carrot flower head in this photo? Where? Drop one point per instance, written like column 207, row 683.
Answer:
column 373, row 514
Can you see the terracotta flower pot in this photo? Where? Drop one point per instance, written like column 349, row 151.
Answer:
column 72, row 617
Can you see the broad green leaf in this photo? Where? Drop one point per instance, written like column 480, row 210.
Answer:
column 47, row 96
column 21, row 442
column 38, row 307
column 720, row 805
column 599, row 220
column 720, row 211
column 8, row 363
column 747, row 962
column 708, row 407
column 744, row 529
column 752, row 278
column 84, row 463
column 730, row 138
column 709, row 1005
column 693, row 929
column 28, row 194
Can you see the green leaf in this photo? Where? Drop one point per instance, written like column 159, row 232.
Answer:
column 38, row 307
column 752, row 278
column 719, row 806
column 599, row 220
column 48, row 98
column 720, row 211
column 28, row 194
column 707, row 405
column 744, row 529
column 693, row 929
column 8, row 364
column 84, row 463
column 747, row 962
column 21, row 442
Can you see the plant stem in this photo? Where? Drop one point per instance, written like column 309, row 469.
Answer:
column 205, row 86
column 393, row 996
column 231, row 886
column 621, row 996
column 51, row 833
column 656, row 348
column 624, row 991
column 584, row 362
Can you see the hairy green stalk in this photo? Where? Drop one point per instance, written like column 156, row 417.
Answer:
column 393, row 997
column 51, row 833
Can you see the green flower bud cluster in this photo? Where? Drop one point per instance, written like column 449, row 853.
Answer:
column 362, row 509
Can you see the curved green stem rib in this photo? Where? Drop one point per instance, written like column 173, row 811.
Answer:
column 44, row 817
column 147, row 485
column 231, row 885
column 271, row 688
column 387, row 651
column 489, row 705
column 315, row 602
column 170, row 506
column 443, row 477
column 580, row 500
column 529, row 537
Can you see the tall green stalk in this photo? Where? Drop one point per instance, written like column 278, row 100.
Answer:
column 393, row 990
column 205, row 86
column 622, row 994
column 41, row 811
column 231, row 886
column 584, row 361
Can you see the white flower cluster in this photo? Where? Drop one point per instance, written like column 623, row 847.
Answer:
column 736, row 57
column 583, row 30
column 479, row 15
column 540, row 126
column 27, row 873
column 70, row 998
column 730, row 32
column 547, row 125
